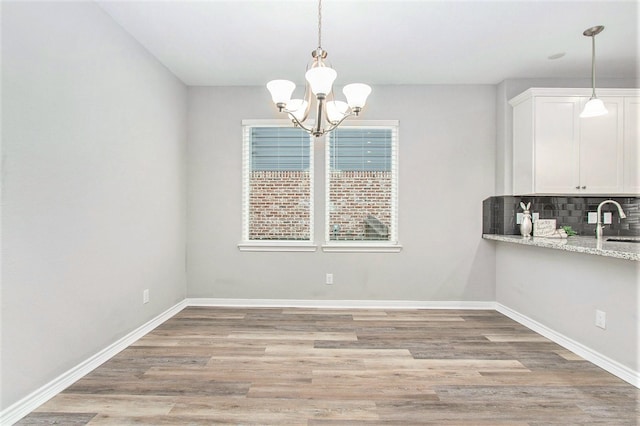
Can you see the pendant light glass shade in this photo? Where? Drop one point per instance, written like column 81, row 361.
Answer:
column 594, row 108
column 321, row 79
column 336, row 110
column 281, row 90
column 356, row 94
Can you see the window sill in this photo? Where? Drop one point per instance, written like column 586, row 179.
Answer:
column 300, row 246
column 361, row 247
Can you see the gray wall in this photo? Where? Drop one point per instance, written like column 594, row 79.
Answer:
column 562, row 291
column 447, row 152
column 94, row 180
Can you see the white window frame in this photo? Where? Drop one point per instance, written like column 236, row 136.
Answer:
column 390, row 246
column 271, row 245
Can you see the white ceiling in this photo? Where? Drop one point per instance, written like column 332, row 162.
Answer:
column 242, row 42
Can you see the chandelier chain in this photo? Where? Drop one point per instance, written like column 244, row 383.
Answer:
column 319, row 23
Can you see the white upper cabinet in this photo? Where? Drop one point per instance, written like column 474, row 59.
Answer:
column 601, row 150
column 557, row 152
column 631, row 156
column 556, row 145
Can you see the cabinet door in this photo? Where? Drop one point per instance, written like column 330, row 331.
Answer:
column 631, row 157
column 556, row 135
column 601, row 150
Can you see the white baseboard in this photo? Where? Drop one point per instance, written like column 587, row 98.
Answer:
column 625, row 373
column 339, row 304
column 15, row 412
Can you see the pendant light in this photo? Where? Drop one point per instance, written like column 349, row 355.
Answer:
column 595, row 107
column 320, row 78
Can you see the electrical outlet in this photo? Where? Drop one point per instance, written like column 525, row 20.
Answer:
column 329, row 279
column 601, row 319
column 519, row 218
column 145, row 296
column 592, row 217
column 535, row 217
column 606, row 218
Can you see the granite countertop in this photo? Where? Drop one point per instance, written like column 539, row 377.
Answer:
column 578, row 244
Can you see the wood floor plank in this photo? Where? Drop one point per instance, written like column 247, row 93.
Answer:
column 68, row 402
column 288, row 335
column 363, row 354
column 516, row 338
column 275, row 411
column 67, row 419
column 287, row 366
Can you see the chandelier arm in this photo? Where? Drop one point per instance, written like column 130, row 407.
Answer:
column 307, row 97
column 299, row 123
column 334, row 126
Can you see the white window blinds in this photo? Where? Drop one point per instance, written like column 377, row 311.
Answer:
column 362, row 184
column 359, row 149
column 277, row 184
column 279, row 148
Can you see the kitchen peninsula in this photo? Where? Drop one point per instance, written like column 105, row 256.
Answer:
column 557, row 287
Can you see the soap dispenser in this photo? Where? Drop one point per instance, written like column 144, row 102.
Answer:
column 526, row 226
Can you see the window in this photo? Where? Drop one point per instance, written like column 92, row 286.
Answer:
column 277, row 186
column 362, row 185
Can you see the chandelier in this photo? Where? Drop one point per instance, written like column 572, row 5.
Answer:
column 595, row 106
column 319, row 81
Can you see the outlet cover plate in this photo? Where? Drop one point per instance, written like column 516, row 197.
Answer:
column 607, row 218
column 592, row 217
column 601, row 319
column 329, row 279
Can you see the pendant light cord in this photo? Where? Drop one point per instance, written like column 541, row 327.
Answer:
column 593, row 65
column 592, row 32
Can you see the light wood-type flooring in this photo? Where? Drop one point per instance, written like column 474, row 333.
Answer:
column 209, row 366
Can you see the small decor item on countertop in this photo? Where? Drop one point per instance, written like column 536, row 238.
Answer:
column 569, row 231
column 558, row 233
column 544, row 227
column 526, row 225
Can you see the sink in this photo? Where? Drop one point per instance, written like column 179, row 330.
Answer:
column 624, row 239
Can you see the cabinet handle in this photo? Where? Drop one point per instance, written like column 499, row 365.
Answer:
column 578, row 187
column 584, row 187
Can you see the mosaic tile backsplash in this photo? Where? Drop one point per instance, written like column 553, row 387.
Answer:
column 499, row 213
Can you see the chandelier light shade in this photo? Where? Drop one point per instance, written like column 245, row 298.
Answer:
column 356, row 94
column 297, row 108
column 336, row 110
column 281, row 90
column 595, row 107
column 319, row 90
column 321, row 80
